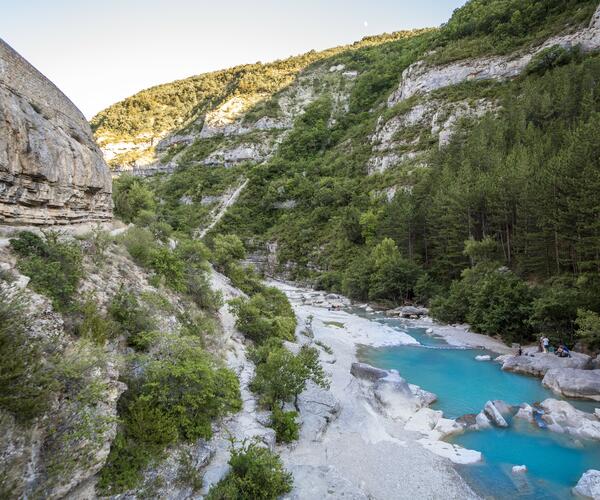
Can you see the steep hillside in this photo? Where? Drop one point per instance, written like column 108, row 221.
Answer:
column 51, row 170
column 394, row 154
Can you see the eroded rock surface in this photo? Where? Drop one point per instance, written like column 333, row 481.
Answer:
column 574, row 383
column 420, row 77
column 51, row 170
column 588, row 485
column 539, row 363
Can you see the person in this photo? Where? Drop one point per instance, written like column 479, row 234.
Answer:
column 520, row 350
column 563, row 351
column 545, row 343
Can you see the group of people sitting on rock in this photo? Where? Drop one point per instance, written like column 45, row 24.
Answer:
column 562, row 351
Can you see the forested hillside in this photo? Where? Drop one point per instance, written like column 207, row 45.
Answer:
column 479, row 195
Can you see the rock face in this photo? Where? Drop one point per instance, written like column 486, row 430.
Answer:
column 540, row 363
column 51, row 170
column 574, row 383
column 589, row 485
column 420, row 78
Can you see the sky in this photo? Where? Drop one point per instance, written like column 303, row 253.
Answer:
column 99, row 52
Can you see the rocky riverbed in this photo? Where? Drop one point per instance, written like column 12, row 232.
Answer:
column 382, row 441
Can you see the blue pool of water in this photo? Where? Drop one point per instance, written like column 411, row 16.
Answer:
column 463, row 385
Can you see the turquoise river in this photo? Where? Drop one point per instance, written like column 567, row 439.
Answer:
column 463, row 385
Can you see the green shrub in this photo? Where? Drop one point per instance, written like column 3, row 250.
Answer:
column 131, row 197
column 549, row 58
column 181, row 393
column 256, row 474
column 139, row 243
column 197, row 286
column 281, row 375
column 226, row 249
column 54, row 266
column 93, row 325
column 210, row 392
column 132, row 320
column 285, row 425
column 267, row 314
column 166, row 264
column 244, row 278
column 26, row 382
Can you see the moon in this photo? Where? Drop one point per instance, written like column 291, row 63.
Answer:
column 366, row 24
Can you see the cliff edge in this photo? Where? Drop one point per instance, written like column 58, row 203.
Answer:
column 51, row 170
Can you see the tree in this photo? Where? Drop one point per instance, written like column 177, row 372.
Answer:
column 588, row 328
column 281, row 376
column 394, row 277
column 226, row 249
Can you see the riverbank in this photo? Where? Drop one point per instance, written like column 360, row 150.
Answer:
column 363, row 450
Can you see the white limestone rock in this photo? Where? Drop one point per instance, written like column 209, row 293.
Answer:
column 456, row 454
column 561, row 416
column 574, row 383
column 420, row 77
column 539, row 363
column 588, row 485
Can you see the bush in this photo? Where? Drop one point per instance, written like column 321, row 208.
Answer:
column 54, row 266
column 281, row 376
column 244, row 278
column 26, row 383
column 549, row 58
column 226, row 249
column 131, row 197
column 256, row 473
column 210, row 391
column 285, row 425
column 267, row 314
column 132, row 320
column 139, row 243
column 181, row 393
column 92, row 324
column 555, row 310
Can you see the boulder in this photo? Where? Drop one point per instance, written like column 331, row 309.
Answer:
column 318, row 408
column 525, row 412
column 519, row 469
column 399, row 399
column 574, row 383
column 494, row 414
column 539, row 363
column 561, row 416
column 408, row 312
column 483, row 357
column 367, row 372
column 588, row 485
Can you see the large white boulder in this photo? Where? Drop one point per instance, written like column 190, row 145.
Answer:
column 539, row 363
column 561, row 416
column 588, row 485
column 574, row 383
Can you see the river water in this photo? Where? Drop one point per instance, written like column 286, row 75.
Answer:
column 463, row 385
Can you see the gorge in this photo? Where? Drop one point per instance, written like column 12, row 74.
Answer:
column 328, row 276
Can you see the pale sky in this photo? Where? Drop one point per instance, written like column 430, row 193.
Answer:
column 98, row 52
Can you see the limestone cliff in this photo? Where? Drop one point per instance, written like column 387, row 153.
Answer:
column 51, row 170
